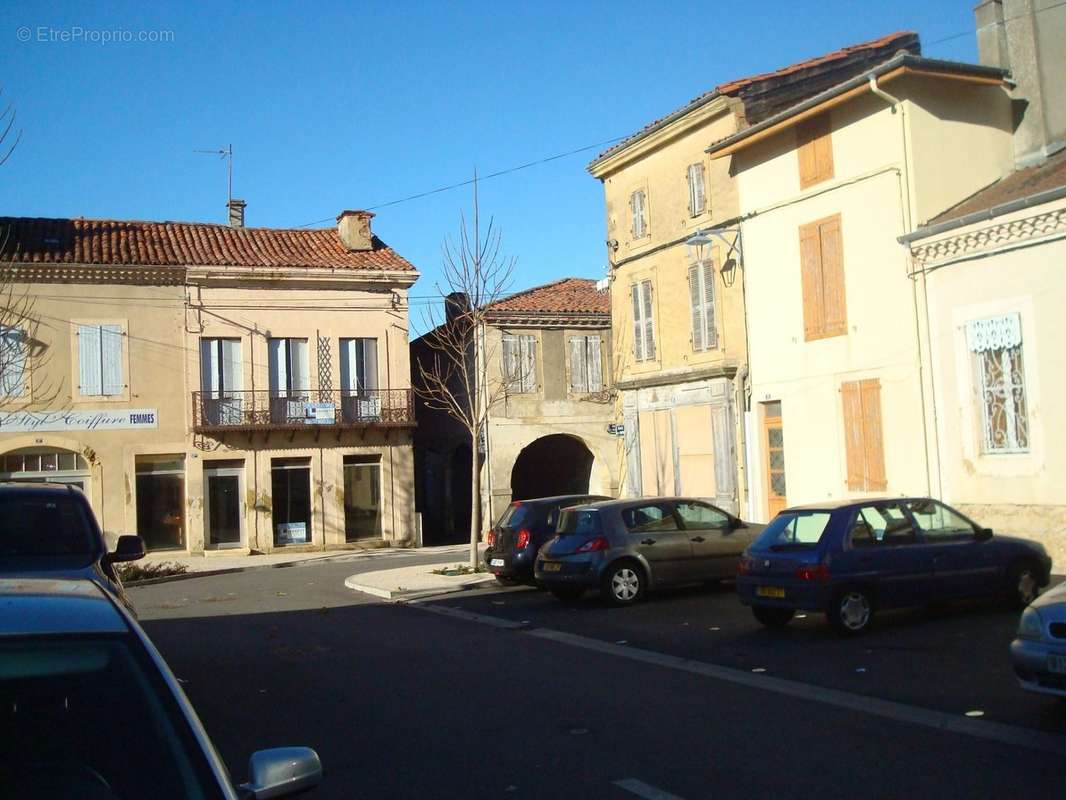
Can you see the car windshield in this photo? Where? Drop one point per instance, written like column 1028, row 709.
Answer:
column 576, row 522
column 49, row 524
column 517, row 515
column 88, row 718
column 793, row 530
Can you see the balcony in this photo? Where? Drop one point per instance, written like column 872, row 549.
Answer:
column 325, row 409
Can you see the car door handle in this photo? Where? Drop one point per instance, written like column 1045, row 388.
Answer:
column 698, row 539
column 647, row 541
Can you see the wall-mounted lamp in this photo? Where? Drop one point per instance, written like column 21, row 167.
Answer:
column 729, row 271
column 698, row 242
column 700, row 239
column 613, row 244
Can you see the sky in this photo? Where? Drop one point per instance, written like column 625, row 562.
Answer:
column 330, row 106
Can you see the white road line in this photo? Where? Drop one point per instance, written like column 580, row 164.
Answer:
column 469, row 616
column 642, row 789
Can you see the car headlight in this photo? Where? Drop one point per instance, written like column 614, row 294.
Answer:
column 1031, row 625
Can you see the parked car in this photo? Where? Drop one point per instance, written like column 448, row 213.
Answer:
column 89, row 709
column 50, row 528
column 522, row 530
column 1038, row 652
column 852, row 558
column 624, row 547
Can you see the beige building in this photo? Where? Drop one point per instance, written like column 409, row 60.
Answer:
column 825, row 187
column 677, row 304
column 214, row 388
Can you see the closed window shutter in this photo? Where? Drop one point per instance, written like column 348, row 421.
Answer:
column 854, row 448
column 701, row 198
column 13, row 362
column 111, row 359
column 90, row 374
column 710, row 338
column 209, row 373
column 368, row 375
column 594, row 359
column 634, row 222
column 696, row 307
column 649, row 323
column 870, row 392
column 508, row 356
column 299, row 367
column 638, row 324
column 578, row 373
column 232, row 377
column 529, row 363
column 814, row 148
column 811, row 278
column 835, row 317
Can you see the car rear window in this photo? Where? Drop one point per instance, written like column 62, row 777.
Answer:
column 517, row 515
column 793, row 530
column 43, row 525
column 578, row 522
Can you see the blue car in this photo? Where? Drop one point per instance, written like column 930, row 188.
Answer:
column 850, row 559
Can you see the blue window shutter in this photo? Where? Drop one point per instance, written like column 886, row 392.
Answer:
column 111, row 359
column 90, row 376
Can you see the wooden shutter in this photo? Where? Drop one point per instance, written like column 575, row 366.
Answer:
column 111, row 359
column 870, row 392
column 710, row 336
column 509, row 371
column 854, row 449
column 529, row 363
column 811, row 278
column 814, row 149
column 594, row 360
column 649, row 322
column 578, row 373
column 834, row 307
column 90, row 374
column 638, row 324
column 696, row 307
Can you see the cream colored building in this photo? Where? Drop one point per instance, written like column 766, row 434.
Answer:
column 677, row 297
column 826, row 186
column 215, row 388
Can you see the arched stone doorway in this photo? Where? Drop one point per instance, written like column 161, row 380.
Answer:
column 551, row 465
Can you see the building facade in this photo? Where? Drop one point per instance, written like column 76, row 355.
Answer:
column 214, row 389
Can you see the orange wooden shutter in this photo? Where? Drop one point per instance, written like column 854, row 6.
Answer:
column 853, row 436
column 870, row 391
column 814, row 148
column 811, row 278
column 834, row 308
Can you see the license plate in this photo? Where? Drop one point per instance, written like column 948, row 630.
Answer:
column 769, row 591
column 496, row 562
column 553, row 566
column 1056, row 663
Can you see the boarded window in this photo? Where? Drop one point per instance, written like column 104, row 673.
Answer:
column 697, row 197
column 520, row 363
column 863, row 436
column 814, row 146
column 586, row 364
column 701, row 304
column 100, row 360
column 643, row 322
column 822, row 275
column 638, row 206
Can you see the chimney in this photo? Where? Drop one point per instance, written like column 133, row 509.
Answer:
column 236, row 213
column 455, row 305
column 991, row 34
column 354, row 229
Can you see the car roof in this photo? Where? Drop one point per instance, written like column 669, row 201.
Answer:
column 556, row 498
column 851, row 502
column 643, row 501
column 50, row 606
column 27, row 487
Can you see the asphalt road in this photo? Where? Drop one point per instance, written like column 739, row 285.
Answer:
column 591, row 701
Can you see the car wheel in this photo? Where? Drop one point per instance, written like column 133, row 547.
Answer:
column 568, row 594
column 1023, row 584
column 623, row 583
column 851, row 612
column 773, row 617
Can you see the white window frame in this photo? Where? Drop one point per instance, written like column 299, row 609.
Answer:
column 1000, row 339
column 642, row 304
column 697, row 189
column 121, row 386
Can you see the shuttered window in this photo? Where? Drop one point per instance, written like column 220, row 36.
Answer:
column 586, row 364
column 100, row 370
column 13, row 368
column 643, row 322
column 814, row 147
column 863, row 436
column 697, row 198
column 520, row 363
column 289, row 368
column 359, row 365
column 701, row 304
column 822, row 274
column 638, row 206
column 220, row 367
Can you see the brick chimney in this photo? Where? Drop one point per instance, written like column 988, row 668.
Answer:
column 236, row 213
column 354, row 229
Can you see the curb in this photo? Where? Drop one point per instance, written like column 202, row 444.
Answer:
column 207, row 573
column 409, row 594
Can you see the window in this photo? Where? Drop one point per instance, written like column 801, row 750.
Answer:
column 161, row 501
column 13, row 372
column 290, row 500
column 289, row 380
column 638, row 206
column 702, row 517
column 362, row 497
column 649, row 519
column 701, row 303
column 939, row 523
column 882, row 526
column 586, row 364
column 996, row 344
column 793, row 530
column 520, row 363
column 643, row 322
column 220, row 380
column 814, row 146
column 697, row 199
column 359, row 366
column 862, row 435
column 100, row 360
column 822, row 275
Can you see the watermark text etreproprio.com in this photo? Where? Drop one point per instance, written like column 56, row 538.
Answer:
column 76, row 34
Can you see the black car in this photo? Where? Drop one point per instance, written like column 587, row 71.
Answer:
column 49, row 530
column 521, row 530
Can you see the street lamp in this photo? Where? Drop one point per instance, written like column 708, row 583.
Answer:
column 697, row 242
column 700, row 239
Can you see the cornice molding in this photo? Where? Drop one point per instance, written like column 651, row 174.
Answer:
column 991, row 236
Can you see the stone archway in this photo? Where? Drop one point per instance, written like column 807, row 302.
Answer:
column 551, row 465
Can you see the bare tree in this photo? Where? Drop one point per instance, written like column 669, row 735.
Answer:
column 456, row 379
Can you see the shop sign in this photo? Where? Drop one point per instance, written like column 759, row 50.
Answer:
column 291, row 532
column 109, row 420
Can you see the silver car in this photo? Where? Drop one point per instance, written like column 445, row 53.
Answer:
column 89, row 709
column 1039, row 651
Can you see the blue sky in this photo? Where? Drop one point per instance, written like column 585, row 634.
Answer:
column 342, row 105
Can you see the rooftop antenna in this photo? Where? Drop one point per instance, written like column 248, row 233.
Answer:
column 227, row 154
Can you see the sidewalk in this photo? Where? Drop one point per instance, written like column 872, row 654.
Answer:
column 420, row 580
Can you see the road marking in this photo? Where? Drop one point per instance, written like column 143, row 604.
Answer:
column 470, row 616
column 642, row 789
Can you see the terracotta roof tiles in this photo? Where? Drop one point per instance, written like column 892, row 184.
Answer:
column 565, row 296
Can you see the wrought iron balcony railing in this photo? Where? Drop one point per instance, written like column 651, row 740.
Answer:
column 322, row 408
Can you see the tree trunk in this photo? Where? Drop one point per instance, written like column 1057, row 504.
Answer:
column 475, row 501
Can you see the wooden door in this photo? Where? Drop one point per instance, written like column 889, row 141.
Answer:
column 774, row 446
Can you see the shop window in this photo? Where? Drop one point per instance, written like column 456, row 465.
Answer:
column 161, row 501
column 362, row 497
column 290, row 489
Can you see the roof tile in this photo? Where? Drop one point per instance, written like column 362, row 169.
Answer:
column 565, row 296
column 1019, row 184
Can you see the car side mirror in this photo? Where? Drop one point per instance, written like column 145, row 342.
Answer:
column 128, row 548
column 984, row 534
column 282, row 772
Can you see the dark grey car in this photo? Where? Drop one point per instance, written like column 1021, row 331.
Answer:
column 624, row 547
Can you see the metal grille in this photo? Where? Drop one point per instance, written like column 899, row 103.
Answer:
column 1003, row 407
column 325, row 368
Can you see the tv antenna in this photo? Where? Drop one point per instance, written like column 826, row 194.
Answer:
column 226, row 153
